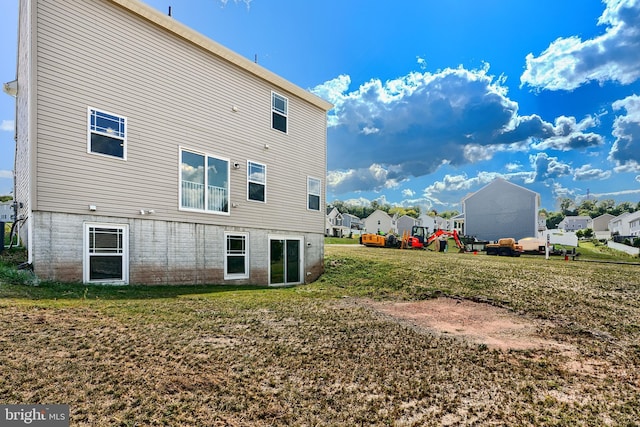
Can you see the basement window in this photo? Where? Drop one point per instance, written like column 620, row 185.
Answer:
column 236, row 260
column 106, row 258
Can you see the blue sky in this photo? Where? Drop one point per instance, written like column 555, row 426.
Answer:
column 434, row 99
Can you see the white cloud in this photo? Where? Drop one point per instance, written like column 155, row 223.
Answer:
column 569, row 135
column 407, row 192
column 588, row 173
column 376, row 177
column 7, row 125
column 571, row 62
column 548, row 168
column 246, row 2
column 616, row 193
column 625, row 152
column 381, row 134
column 512, row 167
column 559, row 192
column 6, row 174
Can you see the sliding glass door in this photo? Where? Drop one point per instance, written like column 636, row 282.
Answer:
column 285, row 261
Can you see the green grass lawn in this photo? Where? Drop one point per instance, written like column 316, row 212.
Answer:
column 342, row 240
column 317, row 355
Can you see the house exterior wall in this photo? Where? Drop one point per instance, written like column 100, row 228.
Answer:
column 429, row 222
column 177, row 90
column 573, row 223
column 634, row 223
column 24, row 123
column 501, row 209
column 161, row 252
column 601, row 223
column 405, row 223
column 335, row 226
column 620, row 224
column 379, row 221
column 351, row 222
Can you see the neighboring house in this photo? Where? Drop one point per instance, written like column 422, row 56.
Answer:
column 148, row 153
column 458, row 223
column 352, row 222
column 6, row 211
column 620, row 225
column 405, row 223
column 335, row 226
column 427, row 221
column 380, row 222
column 634, row 223
column 574, row 223
column 434, row 223
column 501, row 209
column 600, row 226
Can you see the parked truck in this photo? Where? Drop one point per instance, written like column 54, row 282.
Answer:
column 504, row 247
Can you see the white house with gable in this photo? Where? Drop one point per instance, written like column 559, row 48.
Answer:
column 380, row 222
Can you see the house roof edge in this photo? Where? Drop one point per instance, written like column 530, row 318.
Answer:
column 181, row 30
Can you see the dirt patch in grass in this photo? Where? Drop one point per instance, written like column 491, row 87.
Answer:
column 480, row 323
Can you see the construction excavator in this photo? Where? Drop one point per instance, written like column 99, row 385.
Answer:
column 418, row 238
column 442, row 236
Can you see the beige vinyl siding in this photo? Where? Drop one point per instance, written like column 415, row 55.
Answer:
column 22, row 155
column 173, row 94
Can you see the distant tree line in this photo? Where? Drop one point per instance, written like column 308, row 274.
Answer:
column 568, row 207
column 590, row 207
column 364, row 211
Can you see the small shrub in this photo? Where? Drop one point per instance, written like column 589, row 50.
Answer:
column 12, row 276
column 10, row 259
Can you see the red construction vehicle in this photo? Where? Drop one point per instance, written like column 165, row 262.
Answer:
column 415, row 240
column 443, row 234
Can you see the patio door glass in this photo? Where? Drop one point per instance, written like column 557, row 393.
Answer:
column 285, row 266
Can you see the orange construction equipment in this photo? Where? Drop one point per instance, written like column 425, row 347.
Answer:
column 445, row 234
column 414, row 240
column 505, row 247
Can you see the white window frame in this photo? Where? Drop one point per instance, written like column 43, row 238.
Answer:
column 244, row 252
column 251, row 180
column 284, row 113
column 123, row 252
column 319, row 194
column 207, row 156
column 118, row 134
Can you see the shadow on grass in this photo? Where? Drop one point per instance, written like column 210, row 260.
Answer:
column 19, row 284
column 77, row 291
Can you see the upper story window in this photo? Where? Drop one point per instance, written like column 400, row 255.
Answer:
column 107, row 134
column 204, row 182
column 313, row 193
column 256, row 181
column 279, row 112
